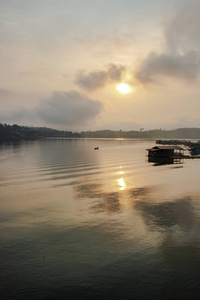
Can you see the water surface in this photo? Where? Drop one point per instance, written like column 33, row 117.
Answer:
column 79, row 223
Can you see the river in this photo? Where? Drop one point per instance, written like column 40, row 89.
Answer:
column 79, row 223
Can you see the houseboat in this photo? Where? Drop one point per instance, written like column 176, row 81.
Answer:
column 165, row 151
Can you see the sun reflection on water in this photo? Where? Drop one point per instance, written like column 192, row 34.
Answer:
column 121, row 182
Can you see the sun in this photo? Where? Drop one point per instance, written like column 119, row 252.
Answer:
column 123, row 88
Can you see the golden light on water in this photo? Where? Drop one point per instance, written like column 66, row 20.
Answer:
column 121, row 183
column 121, row 172
column 123, row 88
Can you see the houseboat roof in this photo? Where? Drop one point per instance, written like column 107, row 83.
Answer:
column 156, row 148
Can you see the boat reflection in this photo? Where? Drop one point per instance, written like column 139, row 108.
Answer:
column 158, row 161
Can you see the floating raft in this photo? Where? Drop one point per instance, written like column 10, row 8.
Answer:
column 177, row 142
column 194, row 147
column 186, row 156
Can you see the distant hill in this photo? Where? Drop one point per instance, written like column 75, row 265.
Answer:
column 180, row 133
column 16, row 132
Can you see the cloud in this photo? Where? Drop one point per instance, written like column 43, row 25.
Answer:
column 100, row 78
column 4, row 93
column 182, row 29
column 68, row 108
column 20, row 114
column 185, row 66
column 63, row 108
column 180, row 57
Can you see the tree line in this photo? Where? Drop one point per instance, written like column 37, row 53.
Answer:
column 16, row 132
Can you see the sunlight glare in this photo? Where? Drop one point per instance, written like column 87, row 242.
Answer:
column 123, row 88
column 121, row 183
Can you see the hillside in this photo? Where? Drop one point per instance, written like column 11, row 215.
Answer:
column 16, row 132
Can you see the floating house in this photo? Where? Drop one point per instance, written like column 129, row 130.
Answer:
column 165, row 151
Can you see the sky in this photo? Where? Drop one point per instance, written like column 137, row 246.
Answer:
column 61, row 62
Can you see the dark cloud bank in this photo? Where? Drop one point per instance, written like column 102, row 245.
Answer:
column 100, row 78
column 63, row 108
column 68, row 108
column 181, row 56
column 185, row 66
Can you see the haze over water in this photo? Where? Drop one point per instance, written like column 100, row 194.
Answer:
column 106, row 224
